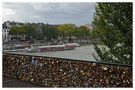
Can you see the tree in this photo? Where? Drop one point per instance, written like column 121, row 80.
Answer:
column 27, row 32
column 67, row 30
column 113, row 23
column 50, row 32
column 30, row 32
column 15, row 31
column 84, row 32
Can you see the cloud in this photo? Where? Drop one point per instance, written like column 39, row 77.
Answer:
column 7, row 11
column 35, row 16
column 56, row 13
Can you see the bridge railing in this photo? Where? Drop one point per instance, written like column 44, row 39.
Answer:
column 59, row 72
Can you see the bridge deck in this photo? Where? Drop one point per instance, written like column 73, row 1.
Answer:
column 10, row 82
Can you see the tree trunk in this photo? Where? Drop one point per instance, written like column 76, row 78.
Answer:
column 63, row 39
column 70, row 39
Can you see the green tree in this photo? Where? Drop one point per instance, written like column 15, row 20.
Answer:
column 30, row 31
column 15, row 31
column 50, row 32
column 67, row 30
column 84, row 32
column 27, row 31
column 113, row 23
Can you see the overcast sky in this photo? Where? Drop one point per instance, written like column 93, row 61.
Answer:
column 52, row 13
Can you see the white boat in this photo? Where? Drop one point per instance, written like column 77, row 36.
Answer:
column 67, row 46
column 51, row 48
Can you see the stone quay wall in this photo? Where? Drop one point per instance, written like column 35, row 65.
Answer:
column 58, row 72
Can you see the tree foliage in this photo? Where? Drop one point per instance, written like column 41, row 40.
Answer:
column 84, row 32
column 50, row 32
column 14, row 31
column 113, row 24
column 67, row 30
column 27, row 31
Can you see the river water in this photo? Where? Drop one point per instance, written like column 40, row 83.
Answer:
column 80, row 53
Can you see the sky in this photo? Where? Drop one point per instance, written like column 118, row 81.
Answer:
column 52, row 13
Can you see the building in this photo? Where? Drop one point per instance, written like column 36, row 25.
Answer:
column 5, row 30
column 6, row 26
column 89, row 26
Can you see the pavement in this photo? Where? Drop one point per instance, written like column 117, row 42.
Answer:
column 15, row 83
